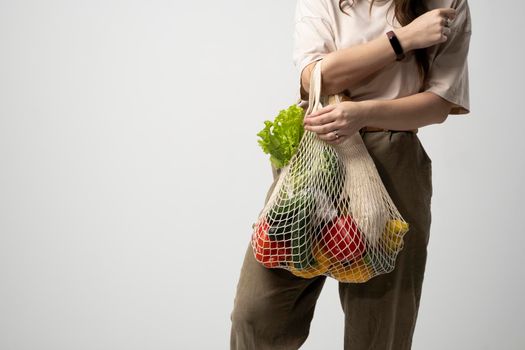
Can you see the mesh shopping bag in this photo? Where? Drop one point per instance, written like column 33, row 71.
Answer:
column 329, row 212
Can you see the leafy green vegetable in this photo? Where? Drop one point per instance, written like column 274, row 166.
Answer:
column 331, row 170
column 281, row 137
column 285, row 212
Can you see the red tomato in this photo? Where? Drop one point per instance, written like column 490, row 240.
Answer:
column 267, row 252
column 342, row 239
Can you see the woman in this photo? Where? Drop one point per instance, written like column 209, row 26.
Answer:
column 394, row 89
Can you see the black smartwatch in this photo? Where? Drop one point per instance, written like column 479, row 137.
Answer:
column 396, row 45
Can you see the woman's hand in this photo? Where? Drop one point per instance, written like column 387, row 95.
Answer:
column 426, row 30
column 344, row 117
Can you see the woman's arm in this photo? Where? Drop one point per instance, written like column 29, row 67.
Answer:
column 403, row 113
column 346, row 68
column 408, row 111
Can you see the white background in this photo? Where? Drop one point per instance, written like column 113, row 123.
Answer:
column 130, row 176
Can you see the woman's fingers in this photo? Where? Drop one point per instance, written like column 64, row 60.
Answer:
column 321, row 111
column 331, row 139
column 335, row 141
column 323, row 128
column 448, row 12
column 330, row 136
column 320, row 120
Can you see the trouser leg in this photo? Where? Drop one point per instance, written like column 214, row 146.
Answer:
column 272, row 308
column 381, row 313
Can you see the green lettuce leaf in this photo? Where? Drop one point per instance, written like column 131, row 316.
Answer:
column 281, row 137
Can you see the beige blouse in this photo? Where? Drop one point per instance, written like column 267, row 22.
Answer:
column 320, row 28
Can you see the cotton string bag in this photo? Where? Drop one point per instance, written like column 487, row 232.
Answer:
column 329, row 212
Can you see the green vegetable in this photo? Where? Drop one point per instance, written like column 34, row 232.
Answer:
column 302, row 254
column 291, row 218
column 281, row 137
column 331, row 170
column 285, row 212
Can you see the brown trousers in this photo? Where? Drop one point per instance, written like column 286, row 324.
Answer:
column 273, row 308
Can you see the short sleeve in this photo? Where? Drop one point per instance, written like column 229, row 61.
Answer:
column 448, row 73
column 313, row 36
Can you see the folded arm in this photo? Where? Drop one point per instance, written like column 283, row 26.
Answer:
column 346, row 68
column 405, row 113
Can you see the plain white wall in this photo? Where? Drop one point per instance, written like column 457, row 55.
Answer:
column 130, row 176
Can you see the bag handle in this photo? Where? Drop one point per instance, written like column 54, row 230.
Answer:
column 316, row 101
column 314, row 95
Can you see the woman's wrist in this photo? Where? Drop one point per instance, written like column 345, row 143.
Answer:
column 405, row 38
column 366, row 112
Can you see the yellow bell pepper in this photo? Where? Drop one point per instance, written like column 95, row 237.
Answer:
column 358, row 272
column 393, row 234
column 321, row 266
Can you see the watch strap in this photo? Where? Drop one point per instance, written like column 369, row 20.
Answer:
column 396, row 45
